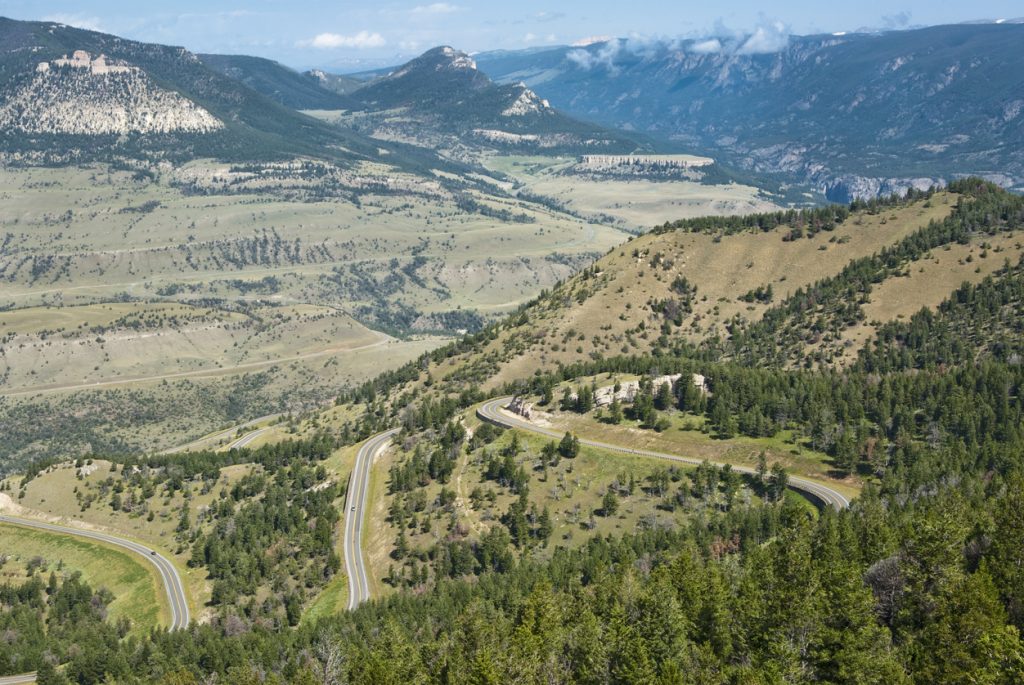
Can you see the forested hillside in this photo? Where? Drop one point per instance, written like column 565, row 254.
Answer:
column 504, row 557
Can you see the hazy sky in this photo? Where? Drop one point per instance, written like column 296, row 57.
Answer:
column 342, row 34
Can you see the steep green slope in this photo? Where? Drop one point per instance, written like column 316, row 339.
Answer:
column 807, row 327
column 977, row 321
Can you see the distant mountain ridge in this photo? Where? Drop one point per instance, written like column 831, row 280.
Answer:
column 444, row 92
column 160, row 102
column 856, row 114
column 278, row 82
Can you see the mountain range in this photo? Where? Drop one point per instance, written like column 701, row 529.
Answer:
column 848, row 115
column 440, row 99
column 68, row 94
column 854, row 114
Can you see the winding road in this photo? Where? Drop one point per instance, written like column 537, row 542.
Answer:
column 358, row 490
column 494, row 412
column 247, row 438
column 169, row 575
column 356, row 501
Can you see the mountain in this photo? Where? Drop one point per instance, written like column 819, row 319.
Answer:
column 809, row 288
column 82, row 95
column 857, row 115
column 336, row 83
column 443, row 93
column 278, row 82
column 68, row 94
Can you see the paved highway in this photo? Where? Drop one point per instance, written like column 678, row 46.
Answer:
column 17, row 679
column 358, row 490
column 494, row 412
column 244, row 441
column 210, row 441
column 168, row 573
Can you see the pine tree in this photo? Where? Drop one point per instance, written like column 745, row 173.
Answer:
column 544, row 526
column 609, row 503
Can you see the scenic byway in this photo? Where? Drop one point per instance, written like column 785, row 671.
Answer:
column 358, row 489
column 169, row 576
column 493, row 412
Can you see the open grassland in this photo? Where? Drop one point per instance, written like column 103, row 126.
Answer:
column 73, row 234
column 634, row 203
column 239, row 289
column 105, row 344
column 138, row 595
column 157, row 414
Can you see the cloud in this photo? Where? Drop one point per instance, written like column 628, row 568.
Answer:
column 590, row 40
column 79, row 21
column 436, row 8
column 333, row 41
column 707, row 47
column 531, row 38
column 769, row 36
column 549, row 16
column 603, row 57
column 900, row 20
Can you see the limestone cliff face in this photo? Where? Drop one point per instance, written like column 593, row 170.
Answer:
column 82, row 95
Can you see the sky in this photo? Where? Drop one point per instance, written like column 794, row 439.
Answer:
column 345, row 36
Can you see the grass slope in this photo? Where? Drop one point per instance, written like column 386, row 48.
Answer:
column 138, row 594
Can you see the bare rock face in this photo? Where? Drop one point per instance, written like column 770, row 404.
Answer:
column 527, row 103
column 80, row 95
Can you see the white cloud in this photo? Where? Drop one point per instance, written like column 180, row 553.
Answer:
column 591, row 40
column 707, row 47
column 436, row 8
column 900, row 20
column 549, row 16
column 333, row 41
column 603, row 57
column 767, row 37
column 79, row 21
